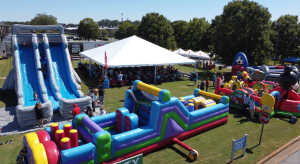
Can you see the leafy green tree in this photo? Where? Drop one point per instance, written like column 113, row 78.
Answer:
column 43, row 19
column 115, row 22
column 129, row 21
column 157, row 29
column 112, row 32
column 103, row 32
column 126, row 29
column 195, row 33
column 136, row 22
column 180, row 30
column 243, row 26
column 289, row 36
column 88, row 29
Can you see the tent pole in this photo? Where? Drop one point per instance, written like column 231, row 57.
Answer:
column 154, row 74
column 79, row 59
column 102, row 73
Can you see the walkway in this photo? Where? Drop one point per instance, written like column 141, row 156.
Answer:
column 287, row 154
column 9, row 124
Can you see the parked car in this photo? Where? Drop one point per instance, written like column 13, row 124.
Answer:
column 76, row 38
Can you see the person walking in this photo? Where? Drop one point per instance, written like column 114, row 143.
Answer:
column 206, row 84
column 39, row 113
column 101, row 95
column 252, row 107
column 195, row 78
column 246, row 103
column 214, row 78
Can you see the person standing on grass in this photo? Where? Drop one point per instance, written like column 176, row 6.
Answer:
column 101, row 95
column 100, row 84
column 39, row 113
column 215, row 82
column 207, row 83
column 75, row 111
column 202, row 84
column 252, row 107
column 120, row 83
column 195, row 78
column 246, row 103
column 214, row 78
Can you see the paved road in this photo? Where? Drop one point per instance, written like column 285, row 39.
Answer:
column 292, row 159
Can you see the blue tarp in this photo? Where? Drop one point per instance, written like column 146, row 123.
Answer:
column 291, row 59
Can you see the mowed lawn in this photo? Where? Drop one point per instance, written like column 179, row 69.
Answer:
column 213, row 146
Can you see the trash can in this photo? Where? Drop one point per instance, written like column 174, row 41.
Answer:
column 220, row 67
column 106, row 83
column 91, row 73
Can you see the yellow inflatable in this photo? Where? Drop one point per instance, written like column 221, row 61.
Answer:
column 268, row 102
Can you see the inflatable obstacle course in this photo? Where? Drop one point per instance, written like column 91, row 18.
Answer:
column 149, row 120
column 269, row 96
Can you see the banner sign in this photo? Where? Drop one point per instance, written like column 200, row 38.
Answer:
column 75, row 47
column 138, row 159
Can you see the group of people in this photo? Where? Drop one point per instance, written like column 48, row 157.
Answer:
column 249, row 103
column 204, row 84
column 143, row 73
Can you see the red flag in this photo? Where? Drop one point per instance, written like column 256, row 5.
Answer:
column 105, row 61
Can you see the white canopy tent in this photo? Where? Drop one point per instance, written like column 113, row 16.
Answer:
column 188, row 53
column 179, row 51
column 201, row 55
column 134, row 51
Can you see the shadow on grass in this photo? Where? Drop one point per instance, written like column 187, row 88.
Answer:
column 9, row 98
column 239, row 114
column 190, row 85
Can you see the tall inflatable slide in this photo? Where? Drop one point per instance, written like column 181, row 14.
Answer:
column 57, row 89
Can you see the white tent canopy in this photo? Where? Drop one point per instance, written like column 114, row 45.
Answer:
column 201, row 55
column 179, row 51
column 133, row 51
column 187, row 53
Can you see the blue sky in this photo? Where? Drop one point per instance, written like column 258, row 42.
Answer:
column 72, row 11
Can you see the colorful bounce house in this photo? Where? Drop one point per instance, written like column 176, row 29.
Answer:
column 150, row 119
column 240, row 64
column 58, row 88
column 270, row 97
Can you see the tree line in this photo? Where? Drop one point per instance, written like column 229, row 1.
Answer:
column 243, row 26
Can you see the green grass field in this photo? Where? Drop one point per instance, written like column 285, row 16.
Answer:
column 213, row 146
